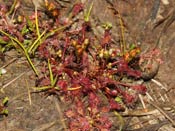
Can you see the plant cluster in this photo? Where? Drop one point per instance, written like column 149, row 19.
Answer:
column 86, row 71
column 3, row 106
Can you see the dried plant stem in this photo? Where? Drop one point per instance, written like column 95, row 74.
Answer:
column 60, row 113
column 149, row 96
column 10, row 82
column 141, row 99
column 123, row 43
column 163, row 113
column 13, row 80
column 36, row 21
column 9, row 62
column 28, row 90
column 13, row 7
column 159, row 84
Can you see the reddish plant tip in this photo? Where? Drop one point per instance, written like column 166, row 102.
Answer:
column 5, row 38
column 77, row 8
column 129, row 99
column 107, row 38
column 140, row 88
column 115, row 106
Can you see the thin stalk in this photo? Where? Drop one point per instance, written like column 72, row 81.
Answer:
column 12, row 8
column 29, row 93
column 42, row 88
column 36, row 22
column 35, row 44
column 87, row 15
column 75, row 88
column 120, row 119
column 123, row 43
column 51, row 74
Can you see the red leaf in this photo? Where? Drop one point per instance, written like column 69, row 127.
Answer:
column 105, row 123
column 134, row 73
column 140, row 88
column 94, row 102
column 79, row 124
column 70, row 113
column 77, row 8
column 124, row 68
column 80, row 108
column 128, row 99
column 62, row 84
column 5, row 38
column 107, row 38
column 94, row 99
column 44, row 81
column 114, row 105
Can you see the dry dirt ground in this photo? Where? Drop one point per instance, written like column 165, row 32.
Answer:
column 140, row 16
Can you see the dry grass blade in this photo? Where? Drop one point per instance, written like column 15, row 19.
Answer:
column 138, row 113
column 154, row 127
column 159, row 84
column 13, row 80
column 10, row 82
column 9, row 62
column 163, row 113
column 141, row 99
column 29, row 93
column 60, row 113
column 149, row 96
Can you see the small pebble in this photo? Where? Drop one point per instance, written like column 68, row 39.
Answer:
column 2, row 71
column 165, row 2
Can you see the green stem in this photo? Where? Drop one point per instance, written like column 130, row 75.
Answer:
column 120, row 119
column 35, row 43
column 23, row 48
